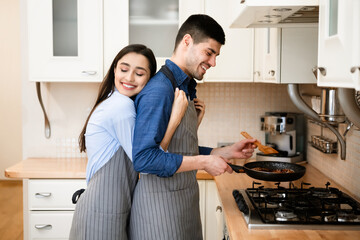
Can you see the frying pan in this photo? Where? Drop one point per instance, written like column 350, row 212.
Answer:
column 299, row 171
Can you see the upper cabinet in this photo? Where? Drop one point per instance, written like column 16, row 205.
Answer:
column 65, row 40
column 339, row 40
column 267, row 55
column 234, row 64
column 155, row 25
column 285, row 55
column 77, row 40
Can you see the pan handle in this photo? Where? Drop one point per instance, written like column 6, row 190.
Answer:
column 236, row 168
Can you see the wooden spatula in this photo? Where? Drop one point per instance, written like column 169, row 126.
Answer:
column 264, row 149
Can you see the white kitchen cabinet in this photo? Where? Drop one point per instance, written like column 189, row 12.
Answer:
column 267, row 55
column 48, row 208
column 236, row 57
column 214, row 214
column 212, row 218
column 65, row 40
column 285, row 55
column 156, row 24
column 339, row 51
column 77, row 40
column 202, row 204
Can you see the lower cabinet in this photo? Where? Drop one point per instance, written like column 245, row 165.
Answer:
column 212, row 218
column 48, row 209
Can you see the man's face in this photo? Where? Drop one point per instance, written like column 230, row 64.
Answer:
column 200, row 57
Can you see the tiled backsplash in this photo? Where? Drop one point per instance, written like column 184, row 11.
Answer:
column 346, row 173
column 235, row 107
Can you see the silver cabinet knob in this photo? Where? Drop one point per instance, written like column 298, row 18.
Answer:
column 272, row 72
column 321, row 69
column 257, row 73
column 43, row 226
column 43, row 194
column 353, row 69
column 218, row 208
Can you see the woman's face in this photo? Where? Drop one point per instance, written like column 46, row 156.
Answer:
column 131, row 74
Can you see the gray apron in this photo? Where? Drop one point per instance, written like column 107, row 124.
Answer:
column 103, row 210
column 168, row 208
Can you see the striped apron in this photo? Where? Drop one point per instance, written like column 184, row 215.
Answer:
column 103, row 210
column 168, row 208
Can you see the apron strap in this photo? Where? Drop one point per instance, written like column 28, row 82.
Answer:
column 167, row 72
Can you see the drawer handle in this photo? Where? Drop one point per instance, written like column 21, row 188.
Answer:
column 42, row 195
column 89, row 72
column 43, row 226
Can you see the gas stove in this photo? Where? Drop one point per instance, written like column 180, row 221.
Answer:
column 307, row 207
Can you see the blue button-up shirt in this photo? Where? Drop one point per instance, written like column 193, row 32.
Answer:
column 153, row 107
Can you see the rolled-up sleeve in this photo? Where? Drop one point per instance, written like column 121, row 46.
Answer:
column 153, row 109
column 205, row 150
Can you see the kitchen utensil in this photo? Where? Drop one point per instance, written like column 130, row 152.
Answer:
column 262, row 148
column 299, row 170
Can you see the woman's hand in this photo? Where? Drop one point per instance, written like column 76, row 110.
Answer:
column 177, row 113
column 200, row 109
column 179, row 107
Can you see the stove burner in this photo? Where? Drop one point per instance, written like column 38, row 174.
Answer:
column 270, row 205
column 348, row 217
column 279, row 195
column 325, row 192
column 285, row 215
column 342, row 217
column 324, row 195
column 269, row 193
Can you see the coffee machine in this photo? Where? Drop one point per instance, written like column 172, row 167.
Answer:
column 284, row 132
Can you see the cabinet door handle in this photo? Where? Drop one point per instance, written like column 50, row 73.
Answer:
column 257, row 73
column 321, row 69
column 42, row 195
column 89, row 72
column 272, row 72
column 43, row 226
column 218, row 208
column 353, row 69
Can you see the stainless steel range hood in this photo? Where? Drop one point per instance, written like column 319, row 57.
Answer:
column 277, row 13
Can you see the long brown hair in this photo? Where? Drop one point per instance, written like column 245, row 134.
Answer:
column 107, row 86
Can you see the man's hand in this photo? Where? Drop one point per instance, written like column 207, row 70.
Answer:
column 216, row 165
column 243, row 149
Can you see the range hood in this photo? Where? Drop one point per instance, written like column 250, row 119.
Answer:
column 276, row 13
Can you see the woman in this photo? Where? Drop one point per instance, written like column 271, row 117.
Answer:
column 102, row 211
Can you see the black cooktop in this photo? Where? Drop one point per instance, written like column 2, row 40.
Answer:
column 309, row 205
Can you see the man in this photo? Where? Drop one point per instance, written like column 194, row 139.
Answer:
column 165, row 204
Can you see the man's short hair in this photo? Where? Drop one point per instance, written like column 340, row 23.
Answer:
column 200, row 27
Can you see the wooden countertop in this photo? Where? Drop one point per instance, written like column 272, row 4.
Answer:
column 60, row 168
column 236, row 224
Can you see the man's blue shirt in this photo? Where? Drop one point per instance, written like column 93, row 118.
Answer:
column 153, row 109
